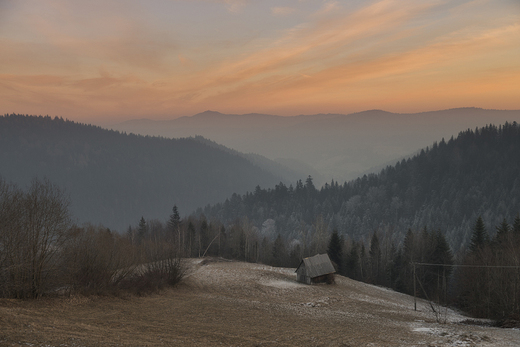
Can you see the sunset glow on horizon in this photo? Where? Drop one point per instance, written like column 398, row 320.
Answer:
column 102, row 61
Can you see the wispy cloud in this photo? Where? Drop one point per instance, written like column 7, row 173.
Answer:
column 282, row 11
column 235, row 5
column 313, row 46
column 328, row 58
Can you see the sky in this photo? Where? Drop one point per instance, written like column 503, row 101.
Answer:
column 111, row 60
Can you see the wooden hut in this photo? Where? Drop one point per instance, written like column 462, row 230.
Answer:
column 315, row 269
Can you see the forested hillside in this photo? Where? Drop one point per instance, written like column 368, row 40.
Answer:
column 445, row 187
column 114, row 178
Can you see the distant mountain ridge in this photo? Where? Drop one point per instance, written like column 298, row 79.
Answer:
column 336, row 146
column 115, row 178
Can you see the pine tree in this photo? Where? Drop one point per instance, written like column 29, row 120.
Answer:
column 278, row 251
column 408, row 247
column 442, row 253
column 479, row 237
column 294, row 257
column 375, row 258
column 175, row 220
column 309, row 184
column 397, row 271
column 142, row 230
column 516, row 225
column 353, row 263
column 266, row 251
column 409, row 255
column 363, row 267
column 335, row 250
column 174, row 224
column 502, row 231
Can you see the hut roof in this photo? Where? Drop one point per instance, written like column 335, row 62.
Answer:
column 317, row 265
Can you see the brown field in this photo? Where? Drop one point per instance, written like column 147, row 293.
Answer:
column 240, row 304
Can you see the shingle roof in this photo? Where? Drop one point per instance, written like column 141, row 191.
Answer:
column 318, row 265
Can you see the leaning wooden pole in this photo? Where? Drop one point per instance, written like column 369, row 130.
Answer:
column 414, row 290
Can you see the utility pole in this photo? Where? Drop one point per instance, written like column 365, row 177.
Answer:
column 414, row 290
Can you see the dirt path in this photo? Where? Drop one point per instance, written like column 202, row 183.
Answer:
column 239, row 304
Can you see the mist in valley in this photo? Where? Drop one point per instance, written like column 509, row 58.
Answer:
column 325, row 146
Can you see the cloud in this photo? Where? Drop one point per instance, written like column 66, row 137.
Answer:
column 374, row 51
column 282, row 11
column 384, row 52
column 73, row 42
column 311, row 46
column 235, row 6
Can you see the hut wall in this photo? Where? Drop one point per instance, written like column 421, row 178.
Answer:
column 329, row 278
column 301, row 275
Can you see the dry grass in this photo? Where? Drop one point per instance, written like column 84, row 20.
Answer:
column 238, row 304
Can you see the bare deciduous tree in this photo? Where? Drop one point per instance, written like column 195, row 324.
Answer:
column 32, row 229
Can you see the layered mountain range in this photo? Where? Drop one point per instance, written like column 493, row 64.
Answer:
column 115, row 178
column 326, row 146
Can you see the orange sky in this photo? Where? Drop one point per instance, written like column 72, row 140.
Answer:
column 102, row 61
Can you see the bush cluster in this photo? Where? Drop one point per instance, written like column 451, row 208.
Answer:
column 42, row 252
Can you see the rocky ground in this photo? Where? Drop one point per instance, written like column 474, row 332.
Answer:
column 224, row 303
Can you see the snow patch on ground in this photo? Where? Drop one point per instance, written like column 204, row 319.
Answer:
column 447, row 335
column 282, row 284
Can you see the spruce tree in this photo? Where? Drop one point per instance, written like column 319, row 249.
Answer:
column 375, row 258
column 479, row 237
column 363, row 268
column 502, row 231
column 516, row 225
column 175, row 220
column 174, row 233
column 409, row 255
column 353, row 263
column 279, row 252
column 142, row 230
column 408, row 248
column 442, row 253
column 335, row 250
column 396, row 272
column 309, row 184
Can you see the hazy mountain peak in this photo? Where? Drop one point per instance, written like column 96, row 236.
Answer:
column 208, row 113
column 374, row 112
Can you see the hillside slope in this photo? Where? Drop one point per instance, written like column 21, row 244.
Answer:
column 115, row 178
column 242, row 304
